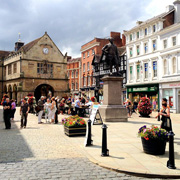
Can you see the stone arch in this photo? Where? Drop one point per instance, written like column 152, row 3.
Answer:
column 43, row 90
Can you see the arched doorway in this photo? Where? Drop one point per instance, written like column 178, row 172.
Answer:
column 43, row 90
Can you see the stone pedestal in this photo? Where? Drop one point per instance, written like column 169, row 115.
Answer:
column 112, row 109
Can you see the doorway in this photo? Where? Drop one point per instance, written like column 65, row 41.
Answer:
column 43, row 90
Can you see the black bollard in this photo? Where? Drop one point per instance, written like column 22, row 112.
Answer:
column 158, row 116
column 105, row 151
column 89, row 140
column 170, row 162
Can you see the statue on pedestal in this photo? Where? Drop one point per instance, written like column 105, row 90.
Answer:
column 111, row 54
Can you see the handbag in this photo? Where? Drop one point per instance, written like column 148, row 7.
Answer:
column 37, row 108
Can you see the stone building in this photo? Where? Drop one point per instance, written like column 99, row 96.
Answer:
column 38, row 67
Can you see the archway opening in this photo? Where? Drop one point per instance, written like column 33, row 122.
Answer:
column 43, row 90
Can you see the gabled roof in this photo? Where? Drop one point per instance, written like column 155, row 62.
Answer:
column 96, row 59
column 121, row 50
column 28, row 46
column 4, row 53
column 74, row 60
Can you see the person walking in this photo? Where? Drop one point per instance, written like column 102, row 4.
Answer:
column 7, row 113
column 166, row 120
column 129, row 107
column 13, row 109
column 61, row 106
column 47, row 110
column 154, row 104
column 69, row 103
column 53, row 109
column 56, row 113
column 41, row 107
column 77, row 106
column 24, row 110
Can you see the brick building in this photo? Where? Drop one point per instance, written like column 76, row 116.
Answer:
column 73, row 73
column 38, row 68
column 88, row 51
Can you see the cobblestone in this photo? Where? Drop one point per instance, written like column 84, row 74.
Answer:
column 43, row 152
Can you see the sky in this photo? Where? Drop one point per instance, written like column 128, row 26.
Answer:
column 71, row 23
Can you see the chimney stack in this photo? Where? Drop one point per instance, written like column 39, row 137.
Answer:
column 177, row 11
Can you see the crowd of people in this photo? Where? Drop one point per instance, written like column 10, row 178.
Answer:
column 47, row 108
column 50, row 107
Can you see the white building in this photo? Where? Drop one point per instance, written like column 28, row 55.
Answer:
column 153, row 52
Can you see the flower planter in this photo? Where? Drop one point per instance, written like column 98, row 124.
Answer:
column 75, row 131
column 154, row 146
column 144, row 115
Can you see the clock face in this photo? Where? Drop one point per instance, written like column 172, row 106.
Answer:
column 45, row 50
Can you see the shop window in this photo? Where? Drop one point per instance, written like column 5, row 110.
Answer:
column 138, row 72
column 174, row 65
column 146, row 70
column 165, row 43
column 154, row 45
column 174, row 41
column 138, row 50
column 165, row 67
column 155, row 69
column 168, row 94
column 131, row 73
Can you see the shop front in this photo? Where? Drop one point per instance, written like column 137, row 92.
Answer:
column 134, row 93
column 171, row 91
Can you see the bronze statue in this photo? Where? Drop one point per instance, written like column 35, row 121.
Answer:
column 111, row 55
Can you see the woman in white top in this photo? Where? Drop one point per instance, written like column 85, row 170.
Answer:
column 47, row 109
column 53, row 109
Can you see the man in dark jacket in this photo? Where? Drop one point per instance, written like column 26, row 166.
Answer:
column 7, row 113
column 24, row 110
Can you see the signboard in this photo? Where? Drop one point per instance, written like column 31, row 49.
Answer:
column 143, row 89
column 95, row 116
